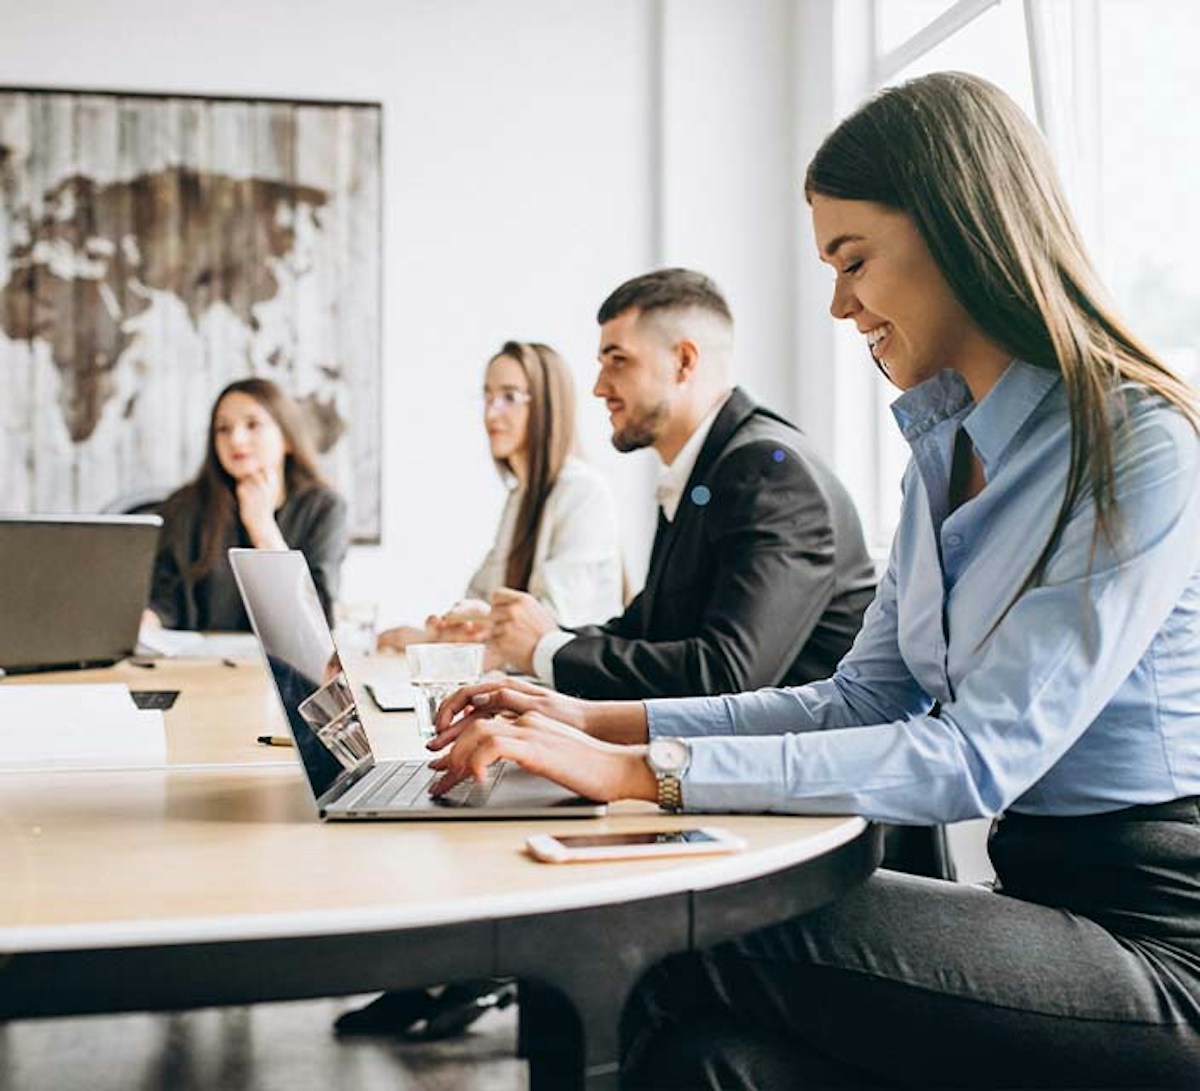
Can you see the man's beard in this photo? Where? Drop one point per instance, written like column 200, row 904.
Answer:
column 641, row 431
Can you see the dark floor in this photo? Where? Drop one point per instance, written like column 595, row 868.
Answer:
column 270, row 1047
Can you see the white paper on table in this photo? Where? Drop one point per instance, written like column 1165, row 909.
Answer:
column 168, row 642
column 77, row 727
column 229, row 646
column 179, row 643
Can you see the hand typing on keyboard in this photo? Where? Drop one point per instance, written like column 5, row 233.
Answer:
column 471, row 793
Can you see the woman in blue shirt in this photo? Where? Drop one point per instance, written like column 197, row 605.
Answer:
column 1033, row 653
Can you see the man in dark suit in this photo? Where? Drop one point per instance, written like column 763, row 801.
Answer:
column 759, row 574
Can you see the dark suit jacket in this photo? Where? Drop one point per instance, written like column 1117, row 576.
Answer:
column 761, row 581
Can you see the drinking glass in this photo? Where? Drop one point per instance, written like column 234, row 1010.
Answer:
column 436, row 671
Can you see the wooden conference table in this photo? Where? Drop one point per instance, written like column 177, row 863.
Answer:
column 211, row 882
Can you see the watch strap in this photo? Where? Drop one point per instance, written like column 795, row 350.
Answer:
column 670, row 792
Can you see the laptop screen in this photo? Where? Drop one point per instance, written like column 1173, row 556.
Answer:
column 281, row 599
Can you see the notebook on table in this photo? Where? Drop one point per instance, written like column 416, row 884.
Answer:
column 322, row 714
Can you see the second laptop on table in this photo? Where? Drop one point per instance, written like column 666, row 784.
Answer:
column 346, row 780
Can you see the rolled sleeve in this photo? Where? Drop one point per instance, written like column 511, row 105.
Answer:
column 687, row 717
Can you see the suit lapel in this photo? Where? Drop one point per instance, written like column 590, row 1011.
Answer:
column 733, row 413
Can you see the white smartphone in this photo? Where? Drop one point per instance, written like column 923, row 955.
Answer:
column 572, row 848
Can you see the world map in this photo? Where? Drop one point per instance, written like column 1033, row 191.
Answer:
column 154, row 249
column 92, row 262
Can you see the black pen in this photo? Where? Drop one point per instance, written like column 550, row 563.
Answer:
column 274, row 740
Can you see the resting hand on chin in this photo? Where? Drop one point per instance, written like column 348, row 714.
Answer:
column 258, row 494
column 596, row 770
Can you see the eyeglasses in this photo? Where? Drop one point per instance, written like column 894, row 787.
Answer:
column 505, row 401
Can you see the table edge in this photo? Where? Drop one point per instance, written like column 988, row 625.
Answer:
column 705, row 874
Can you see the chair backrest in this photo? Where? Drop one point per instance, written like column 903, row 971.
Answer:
column 145, row 501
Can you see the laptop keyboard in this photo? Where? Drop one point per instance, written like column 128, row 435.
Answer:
column 407, row 784
column 472, row 793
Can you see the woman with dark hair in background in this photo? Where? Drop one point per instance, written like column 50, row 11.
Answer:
column 1032, row 654
column 558, row 536
column 259, row 487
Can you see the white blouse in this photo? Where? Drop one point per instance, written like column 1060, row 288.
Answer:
column 577, row 569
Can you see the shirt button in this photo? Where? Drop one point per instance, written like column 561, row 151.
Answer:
column 954, row 540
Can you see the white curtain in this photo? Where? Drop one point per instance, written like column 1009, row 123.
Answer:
column 1064, row 56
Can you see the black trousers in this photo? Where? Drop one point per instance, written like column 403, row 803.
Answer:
column 1081, row 970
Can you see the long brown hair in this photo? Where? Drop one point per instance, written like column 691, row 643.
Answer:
column 958, row 156
column 549, row 439
column 213, row 490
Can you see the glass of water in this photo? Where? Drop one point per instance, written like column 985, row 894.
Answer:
column 436, row 671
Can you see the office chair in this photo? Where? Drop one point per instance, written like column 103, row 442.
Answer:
column 918, row 850
column 144, row 501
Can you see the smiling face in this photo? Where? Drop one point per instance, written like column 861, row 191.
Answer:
column 636, row 380
column 888, row 284
column 506, row 408
column 246, row 437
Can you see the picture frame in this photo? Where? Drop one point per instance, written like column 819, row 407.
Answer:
column 154, row 248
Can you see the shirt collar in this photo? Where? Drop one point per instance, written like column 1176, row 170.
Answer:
column 993, row 423
column 673, row 479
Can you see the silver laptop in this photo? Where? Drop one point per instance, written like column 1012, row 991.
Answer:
column 73, row 588
column 346, row 780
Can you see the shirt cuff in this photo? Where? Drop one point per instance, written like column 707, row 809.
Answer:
column 686, row 717
column 544, row 653
column 736, row 775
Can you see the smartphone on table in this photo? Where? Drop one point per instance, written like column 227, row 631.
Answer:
column 576, row 848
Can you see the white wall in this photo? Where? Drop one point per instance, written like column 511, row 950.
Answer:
column 537, row 152
column 729, row 191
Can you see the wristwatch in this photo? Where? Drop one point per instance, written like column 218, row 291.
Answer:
column 669, row 760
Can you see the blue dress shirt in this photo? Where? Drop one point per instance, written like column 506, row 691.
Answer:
column 1084, row 697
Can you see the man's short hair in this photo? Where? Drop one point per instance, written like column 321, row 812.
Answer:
column 666, row 290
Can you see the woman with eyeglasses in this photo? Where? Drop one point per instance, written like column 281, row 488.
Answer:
column 259, row 487
column 1032, row 655
column 558, row 535
column 558, row 540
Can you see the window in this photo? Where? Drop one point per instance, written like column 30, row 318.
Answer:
column 1149, row 172
column 1109, row 82
column 896, row 21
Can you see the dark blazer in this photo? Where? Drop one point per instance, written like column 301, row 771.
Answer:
column 761, row 579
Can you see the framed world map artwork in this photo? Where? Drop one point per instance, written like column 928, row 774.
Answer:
column 153, row 249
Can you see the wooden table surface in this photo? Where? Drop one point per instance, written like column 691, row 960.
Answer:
column 148, row 856
column 212, row 881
